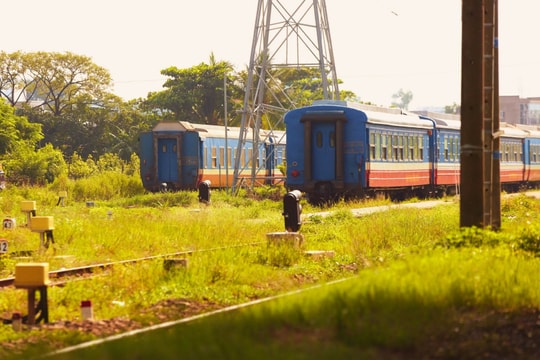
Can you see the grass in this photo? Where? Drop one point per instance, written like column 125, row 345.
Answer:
column 390, row 310
column 415, row 277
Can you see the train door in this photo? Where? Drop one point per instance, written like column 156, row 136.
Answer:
column 323, row 156
column 146, row 156
column 167, row 157
column 190, row 159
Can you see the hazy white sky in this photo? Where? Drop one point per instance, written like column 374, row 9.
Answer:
column 380, row 46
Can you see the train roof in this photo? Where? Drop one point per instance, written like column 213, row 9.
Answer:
column 218, row 131
column 381, row 115
column 533, row 131
column 442, row 120
column 512, row 131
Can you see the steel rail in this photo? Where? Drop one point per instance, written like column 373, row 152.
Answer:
column 89, row 269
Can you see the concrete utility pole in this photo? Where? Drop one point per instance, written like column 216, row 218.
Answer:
column 480, row 182
column 285, row 36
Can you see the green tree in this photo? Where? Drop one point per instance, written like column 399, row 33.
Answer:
column 402, row 99
column 51, row 81
column 16, row 131
column 79, row 168
column 194, row 94
column 452, row 109
column 27, row 166
column 17, row 85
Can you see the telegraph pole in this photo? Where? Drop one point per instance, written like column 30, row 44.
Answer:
column 496, row 191
column 285, row 35
column 480, row 181
column 472, row 110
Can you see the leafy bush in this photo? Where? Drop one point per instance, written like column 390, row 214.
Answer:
column 529, row 240
column 106, row 186
column 473, row 237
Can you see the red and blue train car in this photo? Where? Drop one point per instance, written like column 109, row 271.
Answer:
column 339, row 149
column 179, row 155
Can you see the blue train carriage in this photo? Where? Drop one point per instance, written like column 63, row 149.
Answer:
column 170, row 156
column 531, row 153
column 446, row 160
column 273, row 156
column 512, row 162
column 337, row 148
column 219, row 154
column 179, row 155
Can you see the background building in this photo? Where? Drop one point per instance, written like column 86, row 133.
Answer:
column 516, row 110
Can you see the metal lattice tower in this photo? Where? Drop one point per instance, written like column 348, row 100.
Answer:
column 285, row 36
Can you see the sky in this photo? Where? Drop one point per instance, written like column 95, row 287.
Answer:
column 380, row 46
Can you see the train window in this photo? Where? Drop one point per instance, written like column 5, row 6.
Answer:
column 384, row 147
column 420, row 148
column 250, row 157
column 319, row 139
column 229, row 157
column 205, row 156
column 394, row 148
column 214, row 157
column 400, row 147
column 164, row 148
column 221, row 156
column 372, row 145
column 445, row 148
column 174, row 148
column 332, row 139
column 378, row 146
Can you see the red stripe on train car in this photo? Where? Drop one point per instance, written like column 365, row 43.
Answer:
column 377, row 178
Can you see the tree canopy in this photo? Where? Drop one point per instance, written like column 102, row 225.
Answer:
column 195, row 94
column 58, row 107
column 52, row 81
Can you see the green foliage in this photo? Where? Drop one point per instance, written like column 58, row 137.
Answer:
column 194, row 94
column 106, row 186
column 474, row 237
column 16, row 132
column 158, row 200
column 56, row 80
column 402, row 99
column 110, row 162
column 35, row 167
column 78, row 168
column 529, row 240
column 411, row 279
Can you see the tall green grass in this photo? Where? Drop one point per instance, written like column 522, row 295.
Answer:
column 414, row 272
column 382, row 311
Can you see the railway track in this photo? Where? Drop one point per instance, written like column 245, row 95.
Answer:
column 57, row 275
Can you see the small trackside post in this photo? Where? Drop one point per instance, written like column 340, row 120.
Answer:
column 204, row 192
column 292, row 211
